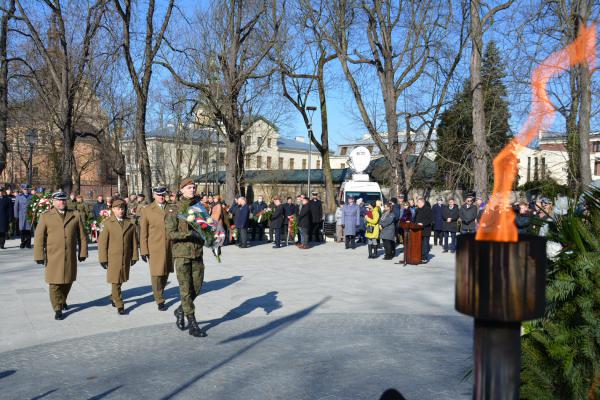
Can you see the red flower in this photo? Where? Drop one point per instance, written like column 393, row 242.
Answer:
column 203, row 226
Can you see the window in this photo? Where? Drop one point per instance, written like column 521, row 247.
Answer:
column 248, row 162
column 343, row 151
column 303, row 163
column 291, row 163
column 205, row 156
column 248, row 140
column 343, row 165
column 280, row 162
column 221, row 158
column 258, row 162
column 596, row 147
column 597, row 167
column 318, row 164
column 528, row 169
column 269, row 162
column 536, row 175
column 269, row 143
column 543, row 167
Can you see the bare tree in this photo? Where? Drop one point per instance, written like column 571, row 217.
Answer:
column 8, row 11
column 305, row 69
column 407, row 51
column 141, row 78
column 61, row 79
column 228, row 68
column 481, row 148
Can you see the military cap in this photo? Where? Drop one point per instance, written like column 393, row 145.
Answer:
column 59, row 196
column 119, row 204
column 185, row 182
column 25, row 186
column 315, row 193
column 159, row 190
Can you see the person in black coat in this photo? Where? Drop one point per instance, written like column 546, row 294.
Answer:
column 304, row 223
column 523, row 219
column 450, row 216
column 424, row 217
column 277, row 221
column 316, row 215
column 6, row 215
column 289, row 209
column 259, row 227
column 438, row 221
column 242, row 216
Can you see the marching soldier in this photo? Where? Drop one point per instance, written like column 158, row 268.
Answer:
column 155, row 246
column 58, row 232
column 186, row 247
column 117, row 251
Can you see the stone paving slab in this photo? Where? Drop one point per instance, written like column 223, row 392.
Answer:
column 283, row 323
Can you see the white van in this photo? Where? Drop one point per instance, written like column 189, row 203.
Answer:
column 360, row 188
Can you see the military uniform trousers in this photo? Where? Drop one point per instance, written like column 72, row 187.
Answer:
column 190, row 275
column 158, row 288
column 58, row 294
column 116, row 295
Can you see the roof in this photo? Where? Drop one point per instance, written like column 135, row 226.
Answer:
column 378, row 170
column 284, row 143
column 170, row 132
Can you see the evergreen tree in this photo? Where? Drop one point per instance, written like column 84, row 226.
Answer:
column 454, row 133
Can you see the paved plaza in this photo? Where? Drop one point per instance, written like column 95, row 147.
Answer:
column 325, row 323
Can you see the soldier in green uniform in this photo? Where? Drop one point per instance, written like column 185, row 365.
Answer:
column 187, row 257
column 83, row 209
column 58, row 235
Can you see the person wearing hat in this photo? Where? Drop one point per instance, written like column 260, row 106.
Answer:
column 155, row 246
column 6, row 215
column 117, row 251
column 316, row 216
column 468, row 216
column 21, row 203
column 60, row 241
column 82, row 208
column 350, row 222
column 438, row 221
column 186, row 247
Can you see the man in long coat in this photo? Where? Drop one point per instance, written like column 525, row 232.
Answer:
column 350, row 221
column 117, row 251
column 6, row 216
column 155, row 246
column 424, row 217
column 316, row 217
column 58, row 235
column 21, row 204
column 277, row 220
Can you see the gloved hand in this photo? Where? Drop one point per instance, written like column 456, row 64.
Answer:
column 133, row 262
column 145, row 258
column 196, row 235
column 104, row 265
column 343, row 226
column 40, row 262
column 81, row 259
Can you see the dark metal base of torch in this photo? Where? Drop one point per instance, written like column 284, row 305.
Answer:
column 497, row 360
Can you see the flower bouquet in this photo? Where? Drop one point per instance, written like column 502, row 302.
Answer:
column 292, row 227
column 95, row 225
column 200, row 221
column 264, row 215
column 39, row 204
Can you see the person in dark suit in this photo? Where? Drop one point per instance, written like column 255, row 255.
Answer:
column 277, row 219
column 242, row 216
column 304, row 223
column 316, row 216
column 289, row 209
column 450, row 225
column 424, row 217
column 6, row 216
column 259, row 227
column 438, row 221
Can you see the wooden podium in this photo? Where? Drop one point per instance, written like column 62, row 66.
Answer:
column 412, row 242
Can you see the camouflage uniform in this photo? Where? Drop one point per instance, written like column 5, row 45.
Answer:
column 187, row 254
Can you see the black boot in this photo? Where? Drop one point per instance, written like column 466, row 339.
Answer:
column 180, row 319
column 194, row 328
column 369, row 248
column 58, row 315
column 65, row 306
column 162, row 307
column 374, row 251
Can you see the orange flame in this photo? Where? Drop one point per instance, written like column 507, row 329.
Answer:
column 498, row 219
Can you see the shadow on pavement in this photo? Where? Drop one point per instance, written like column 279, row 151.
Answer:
column 6, row 373
column 171, row 295
column 41, row 396
column 267, row 302
column 104, row 394
column 290, row 319
column 392, row 394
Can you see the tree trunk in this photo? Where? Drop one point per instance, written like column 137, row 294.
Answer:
column 481, row 151
column 142, row 149
column 67, row 161
column 585, row 105
column 4, row 84
column 326, row 166
column 574, row 176
column 231, row 172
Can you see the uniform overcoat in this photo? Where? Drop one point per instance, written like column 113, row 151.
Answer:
column 56, row 242
column 118, row 246
column 6, row 213
column 21, row 204
column 350, row 218
column 153, row 240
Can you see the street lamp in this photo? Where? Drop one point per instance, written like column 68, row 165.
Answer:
column 31, row 137
column 214, row 164
column 310, row 111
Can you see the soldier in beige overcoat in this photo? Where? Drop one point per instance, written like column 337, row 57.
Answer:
column 155, row 247
column 117, row 250
column 59, row 233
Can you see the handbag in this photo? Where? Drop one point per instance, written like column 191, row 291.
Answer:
column 370, row 228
